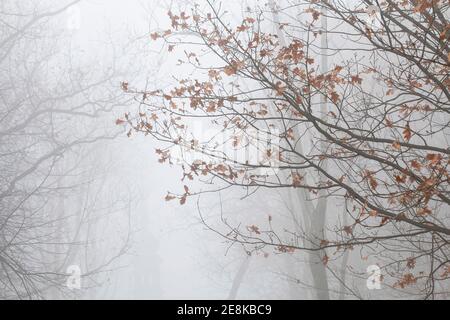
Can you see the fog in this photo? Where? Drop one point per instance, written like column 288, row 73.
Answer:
column 84, row 199
column 140, row 246
column 165, row 257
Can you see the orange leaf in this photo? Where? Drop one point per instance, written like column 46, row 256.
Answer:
column 356, row 79
column 254, row 229
column 407, row 132
column 434, row 158
column 396, row 145
column 335, row 97
column 325, row 260
column 424, row 212
column 400, row 179
column 296, row 180
column 373, row 213
column 169, row 197
column 154, row 36
column 416, row 165
column 372, row 181
column 229, row 70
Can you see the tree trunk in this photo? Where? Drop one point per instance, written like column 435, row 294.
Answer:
column 237, row 281
column 313, row 218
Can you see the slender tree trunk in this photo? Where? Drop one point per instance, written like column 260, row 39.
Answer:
column 318, row 220
column 344, row 264
column 237, row 281
column 313, row 218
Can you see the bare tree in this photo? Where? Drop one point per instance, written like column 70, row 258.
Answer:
column 51, row 111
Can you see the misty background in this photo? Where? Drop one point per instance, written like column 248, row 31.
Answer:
column 97, row 195
column 165, row 258
column 79, row 191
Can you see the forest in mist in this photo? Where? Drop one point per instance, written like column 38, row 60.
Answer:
column 208, row 149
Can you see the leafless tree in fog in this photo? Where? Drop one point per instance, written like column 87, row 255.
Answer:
column 51, row 136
